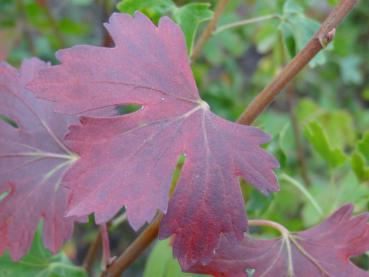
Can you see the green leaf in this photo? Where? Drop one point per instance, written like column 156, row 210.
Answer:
column 284, row 206
column 360, row 159
column 152, row 8
column 365, row 94
column 162, row 264
column 360, row 167
column 81, row 2
column 256, row 202
column 288, row 38
column 283, row 150
column 339, row 127
column 345, row 189
column 70, row 27
column 363, row 146
column 317, row 136
column 266, row 37
column 283, row 143
column 332, row 2
column 302, row 29
column 338, row 124
column 219, row 47
column 41, row 263
column 290, row 6
column 8, row 120
column 307, row 110
column 189, row 17
column 350, row 70
column 130, row 6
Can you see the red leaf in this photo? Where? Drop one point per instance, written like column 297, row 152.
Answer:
column 129, row 160
column 32, row 163
column 323, row 250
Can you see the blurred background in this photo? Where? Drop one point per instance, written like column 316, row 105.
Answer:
column 319, row 126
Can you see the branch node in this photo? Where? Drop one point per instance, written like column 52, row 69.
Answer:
column 327, row 38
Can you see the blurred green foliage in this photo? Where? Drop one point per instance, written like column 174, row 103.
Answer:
column 162, row 264
column 319, row 129
column 40, row 262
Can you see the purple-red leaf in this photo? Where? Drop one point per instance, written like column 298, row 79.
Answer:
column 32, row 163
column 324, row 250
column 129, row 160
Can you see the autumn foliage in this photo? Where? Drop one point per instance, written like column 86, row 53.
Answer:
column 66, row 152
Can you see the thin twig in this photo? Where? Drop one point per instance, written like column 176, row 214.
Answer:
column 105, row 10
column 135, row 249
column 245, row 22
column 105, row 245
column 92, row 253
column 206, row 34
column 320, row 39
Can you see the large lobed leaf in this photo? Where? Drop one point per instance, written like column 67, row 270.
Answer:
column 129, row 160
column 324, row 250
column 32, row 163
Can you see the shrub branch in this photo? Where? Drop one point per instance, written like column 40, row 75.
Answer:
column 320, row 40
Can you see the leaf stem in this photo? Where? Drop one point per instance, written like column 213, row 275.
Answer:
column 246, row 22
column 288, row 238
column 285, row 235
column 268, row 223
column 304, row 191
column 320, row 40
column 209, row 29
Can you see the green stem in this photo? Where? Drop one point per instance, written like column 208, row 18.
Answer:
column 246, row 22
column 304, row 191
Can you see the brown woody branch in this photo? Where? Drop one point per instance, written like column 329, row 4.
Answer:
column 105, row 245
column 320, row 40
column 92, row 253
column 324, row 35
column 135, row 249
